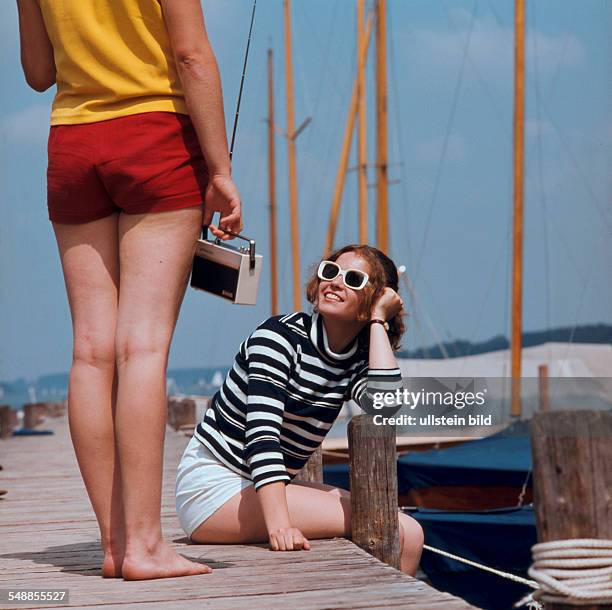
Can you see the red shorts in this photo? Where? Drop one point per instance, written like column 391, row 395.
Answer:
column 147, row 162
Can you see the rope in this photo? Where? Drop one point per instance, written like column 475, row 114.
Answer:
column 523, row 581
column 576, row 572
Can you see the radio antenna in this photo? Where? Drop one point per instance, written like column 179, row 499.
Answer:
column 246, row 57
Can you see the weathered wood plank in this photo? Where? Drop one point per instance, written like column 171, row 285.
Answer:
column 50, row 539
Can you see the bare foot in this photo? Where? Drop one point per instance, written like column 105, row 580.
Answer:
column 162, row 562
column 111, row 566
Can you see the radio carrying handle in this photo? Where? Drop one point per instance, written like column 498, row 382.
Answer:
column 250, row 241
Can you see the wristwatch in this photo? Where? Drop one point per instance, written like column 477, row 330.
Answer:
column 379, row 321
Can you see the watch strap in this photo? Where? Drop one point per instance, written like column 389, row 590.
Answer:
column 379, row 321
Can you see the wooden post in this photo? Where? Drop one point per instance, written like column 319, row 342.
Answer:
column 56, row 409
column 8, row 421
column 34, row 414
column 382, row 184
column 572, row 478
column 272, row 186
column 293, row 195
column 543, row 385
column 517, row 245
column 181, row 412
column 313, row 470
column 373, row 476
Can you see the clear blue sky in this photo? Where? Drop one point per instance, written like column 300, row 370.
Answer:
column 450, row 88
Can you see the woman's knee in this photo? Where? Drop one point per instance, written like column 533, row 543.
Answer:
column 94, row 349
column 411, row 533
column 138, row 344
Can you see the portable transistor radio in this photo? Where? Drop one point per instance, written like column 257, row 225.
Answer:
column 227, row 271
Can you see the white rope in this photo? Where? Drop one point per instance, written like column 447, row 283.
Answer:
column 574, row 572
column 508, row 575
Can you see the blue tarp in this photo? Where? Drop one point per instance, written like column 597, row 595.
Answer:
column 503, row 459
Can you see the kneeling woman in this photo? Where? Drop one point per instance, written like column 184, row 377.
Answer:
column 288, row 382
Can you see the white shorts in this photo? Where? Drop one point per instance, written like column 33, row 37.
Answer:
column 203, row 484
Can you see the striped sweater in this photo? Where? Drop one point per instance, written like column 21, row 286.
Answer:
column 282, row 395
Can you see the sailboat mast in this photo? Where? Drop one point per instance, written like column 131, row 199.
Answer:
column 293, row 202
column 272, row 186
column 362, row 170
column 517, row 243
column 382, row 187
column 346, row 146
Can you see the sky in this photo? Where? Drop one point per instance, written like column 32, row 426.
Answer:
column 450, row 74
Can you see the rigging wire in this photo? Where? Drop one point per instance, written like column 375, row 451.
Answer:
column 399, row 138
column 562, row 139
column 449, row 126
column 488, row 290
column 320, row 186
column 543, row 201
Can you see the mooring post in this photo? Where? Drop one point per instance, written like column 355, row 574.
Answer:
column 572, row 478
column 543, row 387
column 373, row 476
column 181, row 412
column 8, row 421
column 313, row 469
column 34, row 414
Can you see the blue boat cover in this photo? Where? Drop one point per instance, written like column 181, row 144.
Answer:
column 32, row 432
column 503, row 459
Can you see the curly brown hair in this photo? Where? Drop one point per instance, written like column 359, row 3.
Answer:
column 383, row 272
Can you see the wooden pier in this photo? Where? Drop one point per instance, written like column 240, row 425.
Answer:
column 49, row 540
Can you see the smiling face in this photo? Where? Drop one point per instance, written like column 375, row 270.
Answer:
column 337, row 301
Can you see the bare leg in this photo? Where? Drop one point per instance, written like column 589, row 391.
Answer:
column 156, row 251
column 317, row 510
column 88, row 253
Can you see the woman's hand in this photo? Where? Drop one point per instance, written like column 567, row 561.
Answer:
column 288, row 539
column 388, row 305
column 222, row 196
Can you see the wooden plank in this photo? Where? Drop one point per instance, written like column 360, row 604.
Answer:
column 50, row 539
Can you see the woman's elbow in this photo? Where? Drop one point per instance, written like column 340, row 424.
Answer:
column 40, row 85
column 39, row 81
column 194, row 62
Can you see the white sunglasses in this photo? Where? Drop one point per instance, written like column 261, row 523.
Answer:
column 352, row 278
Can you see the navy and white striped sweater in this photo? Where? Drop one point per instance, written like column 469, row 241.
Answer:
column 282, row 395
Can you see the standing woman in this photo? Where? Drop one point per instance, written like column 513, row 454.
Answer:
column 137, row 144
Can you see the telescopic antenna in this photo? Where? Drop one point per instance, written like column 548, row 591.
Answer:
column 246, row 57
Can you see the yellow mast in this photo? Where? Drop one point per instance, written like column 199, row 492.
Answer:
column 272, row 186
column 346, row 146
column 517, row 258
column 293, row 202
column 362, row 169
column 382, row 194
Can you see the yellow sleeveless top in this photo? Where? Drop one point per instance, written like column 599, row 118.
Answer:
column 113, row 58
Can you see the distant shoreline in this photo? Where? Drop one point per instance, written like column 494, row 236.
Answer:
column 206, row 380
